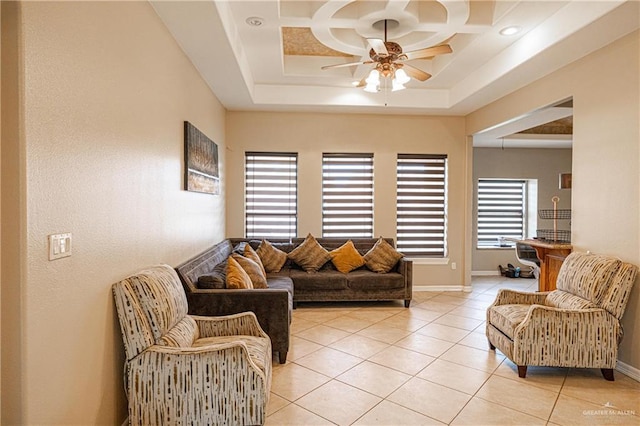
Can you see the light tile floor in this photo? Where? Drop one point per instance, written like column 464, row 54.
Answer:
column 383, row 364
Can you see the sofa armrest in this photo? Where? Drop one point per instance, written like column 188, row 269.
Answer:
column 244, row 323
column 210, row 302
column 271, row 307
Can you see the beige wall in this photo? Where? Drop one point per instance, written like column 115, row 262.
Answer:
column 312, row 134
column 103, row 95
column 544, row 165
column 606, row 155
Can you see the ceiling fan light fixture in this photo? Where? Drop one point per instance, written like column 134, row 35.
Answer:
column 373, row 81
column 396, row 85
column 401, row 77
column 371, row 88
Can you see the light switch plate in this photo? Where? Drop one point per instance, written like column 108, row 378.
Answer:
column 59, row 246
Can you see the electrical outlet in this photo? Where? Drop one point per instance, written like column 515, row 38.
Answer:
column 59, row 246
column 453, row 265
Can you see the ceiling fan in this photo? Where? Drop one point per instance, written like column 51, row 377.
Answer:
column 390, row 61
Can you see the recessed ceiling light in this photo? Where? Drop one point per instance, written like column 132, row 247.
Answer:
column 507, row 31
column 254, row 21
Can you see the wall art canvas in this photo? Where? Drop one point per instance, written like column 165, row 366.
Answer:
column 201, row 161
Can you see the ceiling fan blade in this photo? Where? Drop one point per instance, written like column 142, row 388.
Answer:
column 416, row 73
column 378, row 46
column 428, row 52
column 350, row 64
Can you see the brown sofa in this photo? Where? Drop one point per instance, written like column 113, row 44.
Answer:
column 292, row 284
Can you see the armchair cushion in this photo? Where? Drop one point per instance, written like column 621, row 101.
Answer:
column 587, row 275
column 182, row 335
column 507, row 317
column 162, row 298
column 564, row 300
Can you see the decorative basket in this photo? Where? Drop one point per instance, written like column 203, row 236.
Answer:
column 554, row 214
column 560, row 236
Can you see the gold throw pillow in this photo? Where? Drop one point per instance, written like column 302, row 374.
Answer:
column 346, row 257
column 252, row 269
column 236, row 276
column 250, row 253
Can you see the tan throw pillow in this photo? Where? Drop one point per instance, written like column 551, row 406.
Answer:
column 250, row 253
column 346, row 257
column 382, row 257
column 310, row 255
column 273, row 259
column 236, row 276
column 252, row 269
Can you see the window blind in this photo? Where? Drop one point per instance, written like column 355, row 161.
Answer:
column 347, row 195
column 271, row 203
column 501, row 211
column 422, row 205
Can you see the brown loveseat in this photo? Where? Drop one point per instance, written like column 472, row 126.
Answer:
column 273, row 305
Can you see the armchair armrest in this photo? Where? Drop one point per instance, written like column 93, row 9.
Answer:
column 512, row 297
column 244, row 323
column 564, row 337
column 190, row 378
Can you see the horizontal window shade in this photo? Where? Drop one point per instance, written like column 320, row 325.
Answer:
column 271, row 204
column 347, row 195
column 501, row 211
column 421, row 204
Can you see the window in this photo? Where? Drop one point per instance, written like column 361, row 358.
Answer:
column 347, row 195
column 422, row 205
column 501, row 211
column 271, row 203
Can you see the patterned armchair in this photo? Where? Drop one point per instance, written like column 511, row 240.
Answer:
column 183, row 369
column 576, row 325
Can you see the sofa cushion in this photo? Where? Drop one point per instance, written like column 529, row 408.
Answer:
column 217, row 279
column 382, row 257
column 346, row 258
column 310, row 255
column 564, row 300
column 258, row 280
column 587, row 275
column 507, row 317
column 250, row 253
column 363, row 279
column 236, row 275
column 273, row 259
column 327, row 280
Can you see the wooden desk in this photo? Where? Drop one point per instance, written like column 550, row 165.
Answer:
column 551, row 256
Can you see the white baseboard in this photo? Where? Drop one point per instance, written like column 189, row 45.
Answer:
column 484, row 273
column 628, row 370
column 441, row 288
